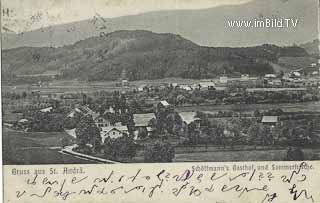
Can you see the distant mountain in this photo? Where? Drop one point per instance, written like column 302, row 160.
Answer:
column 144, row 55
column 207, row 27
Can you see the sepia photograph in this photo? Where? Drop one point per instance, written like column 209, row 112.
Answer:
column 144, row 81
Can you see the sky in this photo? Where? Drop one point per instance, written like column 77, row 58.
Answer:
column 26, row 15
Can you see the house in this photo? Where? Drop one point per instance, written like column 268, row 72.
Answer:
column 141, row 88
column 142, row 120
column 46, row 110
column 163, row 106
column 113, row 132
column 142, row 124
column 188, row 117
column 23, row 120
column 100, row 122
column 223, row 79
column 164, row 103
column 186, row 87
column 82, row 110
column 270, row 76
column 270, row 120
column 207, row 85
column 23, row 124
column 147, row 131
column 245, row 77
column 124, row 83
column 110, row 110
column 313, row 65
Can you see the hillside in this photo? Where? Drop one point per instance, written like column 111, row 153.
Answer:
column 206, row 27
column 312, row 47
column 144, row 55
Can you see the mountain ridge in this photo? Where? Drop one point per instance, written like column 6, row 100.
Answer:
column 206, row 27
column 144, row 55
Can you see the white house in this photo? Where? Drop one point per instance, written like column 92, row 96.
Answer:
column 100, row 122
column 223, row 79
column 113, row 132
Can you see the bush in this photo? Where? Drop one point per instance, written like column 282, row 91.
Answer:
column 295, row 154
column 159, row 153
column 120, row 149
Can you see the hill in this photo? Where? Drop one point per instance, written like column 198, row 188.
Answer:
column 206, row 27
column 144, row 55
column 312, row 47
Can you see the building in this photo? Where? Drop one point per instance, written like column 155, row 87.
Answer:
column 163, row 106
column 100, row 122
column 142, row 120
column 124, row 83
column 142, row 124
column 245, row 77
column 124, row 79
column 82, row 110
column 270, row 76
column 188, row 117
column 207, row 85
column 46, row 110
column 186, row 87
column 23, row 124
column 270, row 120
column 224, row 80
column 113, row 132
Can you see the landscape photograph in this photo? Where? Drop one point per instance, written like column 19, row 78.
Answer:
column 132, row 81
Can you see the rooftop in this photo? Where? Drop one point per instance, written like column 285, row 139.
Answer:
column 143, row 119
column 188, row 117
column 164, row 103
column 269, row 119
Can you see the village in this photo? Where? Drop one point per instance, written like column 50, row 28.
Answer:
column 157, row 122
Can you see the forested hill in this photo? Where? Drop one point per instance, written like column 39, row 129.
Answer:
column 144, row 55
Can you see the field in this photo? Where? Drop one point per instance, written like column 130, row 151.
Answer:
column 287, row 107
column 246, row 155
column 72, row 86
column 35, row 148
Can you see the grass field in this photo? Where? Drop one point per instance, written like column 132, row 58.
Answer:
column 35, row 148
column 64, row 86
column 287, row 107
column 247, row 155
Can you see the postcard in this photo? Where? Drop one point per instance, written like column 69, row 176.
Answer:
column 160, row 101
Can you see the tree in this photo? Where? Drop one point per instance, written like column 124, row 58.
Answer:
column 88, row 133
column 159, row 153
column 253, row 132
column 295, row 154
column 120, row 149
column 24, row 95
